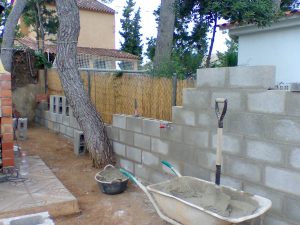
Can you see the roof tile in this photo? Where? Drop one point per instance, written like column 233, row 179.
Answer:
column 94, row 5
column 100, row 52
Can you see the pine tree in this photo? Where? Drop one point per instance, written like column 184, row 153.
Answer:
column 131, row 30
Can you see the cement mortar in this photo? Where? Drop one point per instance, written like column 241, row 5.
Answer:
column 210, row 197
column 111, row 174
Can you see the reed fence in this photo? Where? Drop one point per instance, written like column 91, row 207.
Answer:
column 113, row 94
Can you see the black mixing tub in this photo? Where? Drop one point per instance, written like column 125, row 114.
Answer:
column 111, row 185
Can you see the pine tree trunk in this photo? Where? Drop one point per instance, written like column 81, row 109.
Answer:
column 164, row 42
column 212, row 41
column 9, row 34
column 84, row 111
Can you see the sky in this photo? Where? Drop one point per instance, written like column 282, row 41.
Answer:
column 149, row 26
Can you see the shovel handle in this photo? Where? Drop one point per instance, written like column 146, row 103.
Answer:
column 220, row 115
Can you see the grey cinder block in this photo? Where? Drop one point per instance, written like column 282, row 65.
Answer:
column 195, row 136
column 134, row 123
column 242, row 169
column 66, row 120
column 70, row 132
column 252, row 76
column 272, row 101
column 151, row 127
column 119, row 148
column 52, row 116
column 141, row 141
column 149, row 159
column 119, row 121
column 283, row 180
column 22, row 128
column 134, row 154
column 195, row 98
column 79, row 143
column 211, row 77
column 59, row 118
column 159, row 146
column 264, row 151
column 183, row 116
column 126, row 137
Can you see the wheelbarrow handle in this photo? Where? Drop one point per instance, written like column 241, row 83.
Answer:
column 220, row 115
column 171, row 167
column 159, row 212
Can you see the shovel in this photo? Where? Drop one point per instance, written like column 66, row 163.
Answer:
column 220, row 116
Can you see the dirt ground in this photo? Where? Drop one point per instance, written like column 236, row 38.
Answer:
column 77, row 174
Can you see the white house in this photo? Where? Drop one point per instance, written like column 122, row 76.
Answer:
column 278, row 44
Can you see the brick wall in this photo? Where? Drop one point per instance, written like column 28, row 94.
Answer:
column 261, row 150
column 6, row 120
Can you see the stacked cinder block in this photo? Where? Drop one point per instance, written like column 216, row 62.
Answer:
column 22, row 128
column 79, row 143
column 59, row 117
column 261, row 152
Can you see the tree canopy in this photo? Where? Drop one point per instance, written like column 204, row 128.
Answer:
column 42, row 19
column 130, row 23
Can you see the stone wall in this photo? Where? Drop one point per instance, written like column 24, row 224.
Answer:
column 261, row 150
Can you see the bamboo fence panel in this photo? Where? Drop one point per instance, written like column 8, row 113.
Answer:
column 116, row 94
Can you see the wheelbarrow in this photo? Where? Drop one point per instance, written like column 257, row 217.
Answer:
column 182, row 208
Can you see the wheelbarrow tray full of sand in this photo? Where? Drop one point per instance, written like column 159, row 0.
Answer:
column 192, row 201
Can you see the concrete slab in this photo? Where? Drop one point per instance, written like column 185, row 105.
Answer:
column 37, row 218
column 42, row 191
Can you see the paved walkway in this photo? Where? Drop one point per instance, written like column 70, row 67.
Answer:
column 42, row 191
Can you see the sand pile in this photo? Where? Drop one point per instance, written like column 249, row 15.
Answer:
column 111, row 174
column 213, row 198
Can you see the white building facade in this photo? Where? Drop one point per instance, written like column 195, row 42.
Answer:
column 278, row 44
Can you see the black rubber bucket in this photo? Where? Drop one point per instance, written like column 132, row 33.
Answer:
column 111, row 187
column 116, row 187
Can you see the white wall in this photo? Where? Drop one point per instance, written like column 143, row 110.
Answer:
column 279, row 46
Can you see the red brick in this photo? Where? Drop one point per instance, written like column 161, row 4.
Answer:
column 5, row 85
column 5, row 76
column 7, row 128
column 6, row 102
column 6, row 111
column 7, row 138
column 8, row 146
column 6, row 120
column 5, row 94
column 8, row 162
column 7, row 154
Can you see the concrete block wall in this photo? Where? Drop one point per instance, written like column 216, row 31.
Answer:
column 261, row 150
column 58, row 118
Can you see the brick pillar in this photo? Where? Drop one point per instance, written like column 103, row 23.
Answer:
column 6, row 118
